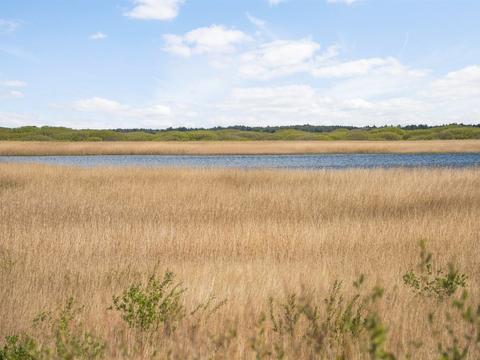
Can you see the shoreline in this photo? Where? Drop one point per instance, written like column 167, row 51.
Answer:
column 35, row 148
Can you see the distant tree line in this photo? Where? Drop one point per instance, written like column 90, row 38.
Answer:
column 244, row 133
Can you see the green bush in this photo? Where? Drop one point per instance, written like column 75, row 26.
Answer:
column 156, row 303
column 440, row 283
column 58, row 336
column 20, row 347
column 299, row 325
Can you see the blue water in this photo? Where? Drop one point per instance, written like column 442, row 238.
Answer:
column 321, row 161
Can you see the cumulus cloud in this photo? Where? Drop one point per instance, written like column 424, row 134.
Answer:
column 98, row 36
column 458, row 84
column 13, row 83
column 259, row 23
column 155, row 9
column 275, row 2
column 287, row 105
column 204, row 40
column 98, row 104
column 277, row 58
column 286, row 57
column 10, row 89
column 99, row 112
column 255, row 58
column 11, row 94
column 16, row 94
column 10, row 119
column 348, row 2
column 102, row 105
column 389, row 65
column 295, row 104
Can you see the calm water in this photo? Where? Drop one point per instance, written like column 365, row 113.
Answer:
column 324, row 161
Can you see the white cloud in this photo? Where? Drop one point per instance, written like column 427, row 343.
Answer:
column 8, row 26
column 98, row 104
column 348, row 2
column 278, row 58
column 12, row 94
column 107, row 106
column 275, row 2
column 259, row 23
column 155, row 9
column 255, row 58
column 288, row 105
column 286, row 57
column 13, row 83
column 354, row 68
column 12, row 86
column 212, row 39
column 98, row 36
column 16, row 94
column 458, row 84
column 15, row 119
column 175, row 44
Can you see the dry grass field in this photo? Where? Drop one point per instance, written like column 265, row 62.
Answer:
column 235, row 147
column 242, row 235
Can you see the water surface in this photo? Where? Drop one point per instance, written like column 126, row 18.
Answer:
column 320, row 161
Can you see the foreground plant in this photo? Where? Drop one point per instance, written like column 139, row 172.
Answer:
column 457, row 330
column 59, row 336
column 441, row 283
column 333, row 329
column 156, row 303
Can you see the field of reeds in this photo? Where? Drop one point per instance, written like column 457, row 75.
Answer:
column 234, row 147
column 108, row 239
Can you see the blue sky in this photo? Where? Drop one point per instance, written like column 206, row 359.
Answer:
column 202, row 63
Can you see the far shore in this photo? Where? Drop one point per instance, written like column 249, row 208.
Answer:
column 36, row 148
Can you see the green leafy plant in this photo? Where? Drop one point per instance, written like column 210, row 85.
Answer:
column 58, row 336
column 19, row 347
column 441, row 283
column 147, row 306
column 377, row 338
column 299, row 325
column 458, row 332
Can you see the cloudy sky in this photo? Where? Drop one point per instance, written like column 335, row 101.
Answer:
column 203, row 63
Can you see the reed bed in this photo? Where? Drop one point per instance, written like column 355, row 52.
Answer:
column 241, row 235
column 234, row 147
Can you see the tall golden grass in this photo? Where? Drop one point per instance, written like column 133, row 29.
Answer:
column 242, row 235
column 235, row 147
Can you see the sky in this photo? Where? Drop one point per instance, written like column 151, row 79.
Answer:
column 205, row 63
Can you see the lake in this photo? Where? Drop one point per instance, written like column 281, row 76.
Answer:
column 320, row 161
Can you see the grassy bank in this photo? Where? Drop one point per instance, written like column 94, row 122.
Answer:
column 243, row 133
column 241, row 235
column 235, row 147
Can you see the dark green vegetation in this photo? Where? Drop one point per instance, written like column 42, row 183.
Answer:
column 341, row 326
column 301, row 132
